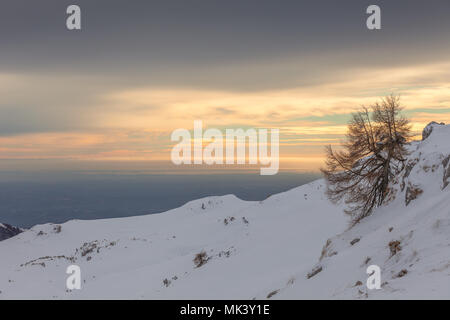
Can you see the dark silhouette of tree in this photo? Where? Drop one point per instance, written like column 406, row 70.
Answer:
column 374, row 150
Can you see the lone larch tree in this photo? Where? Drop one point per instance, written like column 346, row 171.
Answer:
column 373, row 151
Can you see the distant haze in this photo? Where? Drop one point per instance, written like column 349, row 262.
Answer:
column 33, row 198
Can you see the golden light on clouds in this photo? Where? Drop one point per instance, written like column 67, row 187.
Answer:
column 135, row 123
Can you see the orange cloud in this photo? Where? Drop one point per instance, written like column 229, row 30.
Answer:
column 135, row 123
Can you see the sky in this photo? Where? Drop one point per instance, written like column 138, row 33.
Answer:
column 116, row 90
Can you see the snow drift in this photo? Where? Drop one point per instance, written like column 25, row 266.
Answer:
column 292, row 245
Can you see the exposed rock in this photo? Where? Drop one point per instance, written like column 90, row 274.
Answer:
column 167, row 282
column 271, row 294
column 314, row 271
column 57, row 228
column 326, row 250
column 356, row 240
column 412, row 192
column 394, row 247
column 200, row 259
column 446, row 177
column 41, row 260
column 446, row 161
column 429, row 129
column 408, row 168
column 7, row 231
column 402, row 273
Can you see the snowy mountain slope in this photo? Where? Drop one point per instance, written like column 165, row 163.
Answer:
column 251, row 246
column 253, row 249
column 409, row 239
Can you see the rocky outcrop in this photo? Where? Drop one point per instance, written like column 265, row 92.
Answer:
column 446, row 178
column 8, row 231
column 429, row 128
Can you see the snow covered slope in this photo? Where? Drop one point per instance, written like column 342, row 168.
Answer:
column 409, row 239
column 252, row 249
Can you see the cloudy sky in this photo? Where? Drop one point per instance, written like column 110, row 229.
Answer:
column 140, row 69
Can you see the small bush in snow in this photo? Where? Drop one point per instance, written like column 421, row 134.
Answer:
column 200, row 259
column 402, row 273
column 412, row 192
column 394, row 247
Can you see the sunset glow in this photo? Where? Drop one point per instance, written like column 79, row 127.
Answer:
column 124, row 106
